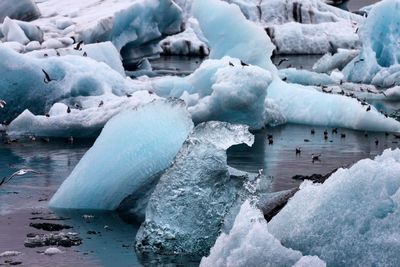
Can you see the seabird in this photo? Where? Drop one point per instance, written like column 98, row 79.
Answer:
column 396, row 136
column 332, row 49
column 78, row 46
column 341, row 92
column 70, row 140
column 298, row 150
column 334, row 131
column 358, row 61
column 270, row 141
column 386, row 134
column 282, row 60
column 315, row 157
column 231, row 64
column 325, row 137
column 312, row 131
column 243, row 63
column 101, row 103
column 47, row 115
column 2, row 103
column 284, row 79
column 17, row 173
column 45, row 55
column 365, row 134
column 73, row 39
column 77, row 106
column 325, row 132
column 376, row 141
column 306, row 140
column 84, row 54
column 128, row 95
column 270, row 136
column 47, row 78
column 68, row 109
column 57, row 53
column 369, row 108
column 342, row 135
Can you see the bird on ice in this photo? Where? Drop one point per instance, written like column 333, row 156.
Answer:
column 17, row 173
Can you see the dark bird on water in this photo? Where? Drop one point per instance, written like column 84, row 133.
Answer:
column 270, row 136
column 312, row 131
column 334, row 131
column 68, row 109
column 386, row 134
column 315, row 157
column 376, row 141
column 17, row 173
column 397, row 136
column 325, row 132
column 282, row 60
column 306, row 140
column 342, row 135
column 325, row 137
column 365, row 134
column 270, row 141
column 78, row 46
column 47, row 78
column 298, row 150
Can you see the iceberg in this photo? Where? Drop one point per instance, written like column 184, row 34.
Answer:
column 193, row 197
column 352, row 219
column 25, row 10
column 189, row 42
column 306, row 105
column 235, row 36
column 306, row 77
column 20, row 31
column 101, row 52
column 250, row 244
column 71, row 77
column 121, row 22
column 339, row 60
column 77, row 123
column 378, row 61
column 221, row 90
column 132, row 148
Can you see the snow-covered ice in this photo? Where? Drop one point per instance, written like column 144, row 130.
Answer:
column 339, row 60
column 187, row 209
column 133, row 146
column 249, row 243
column 52, row 251
column 352, row 219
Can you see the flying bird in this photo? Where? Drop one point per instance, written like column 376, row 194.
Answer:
column 2, row 103
column 47, row 78
column 17, row 173
column 282, row 60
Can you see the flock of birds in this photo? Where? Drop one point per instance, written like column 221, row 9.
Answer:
column 317, row 157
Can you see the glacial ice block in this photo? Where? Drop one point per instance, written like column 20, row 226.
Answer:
column 86, row 122
column 121, row 22
column 229, row 33
column 192, row 198
column 379, row 56
column 132, row 147
column 306, row 105
column 24, row 84
column 22, row 10
column 249, row 243
column 352, row 219
column 221, row 90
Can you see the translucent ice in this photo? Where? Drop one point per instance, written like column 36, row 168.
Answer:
column 234, row 36
column 132, row 147
column 352, row 219
column 187, row 209
column 380, row 55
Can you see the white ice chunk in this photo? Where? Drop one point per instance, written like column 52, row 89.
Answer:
column 306, row 77
column 133, row 146
column 305, row 105
column 352, row 219
column 22, row 10
column 339, row 60
column 250, row 244
column 13, row 33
